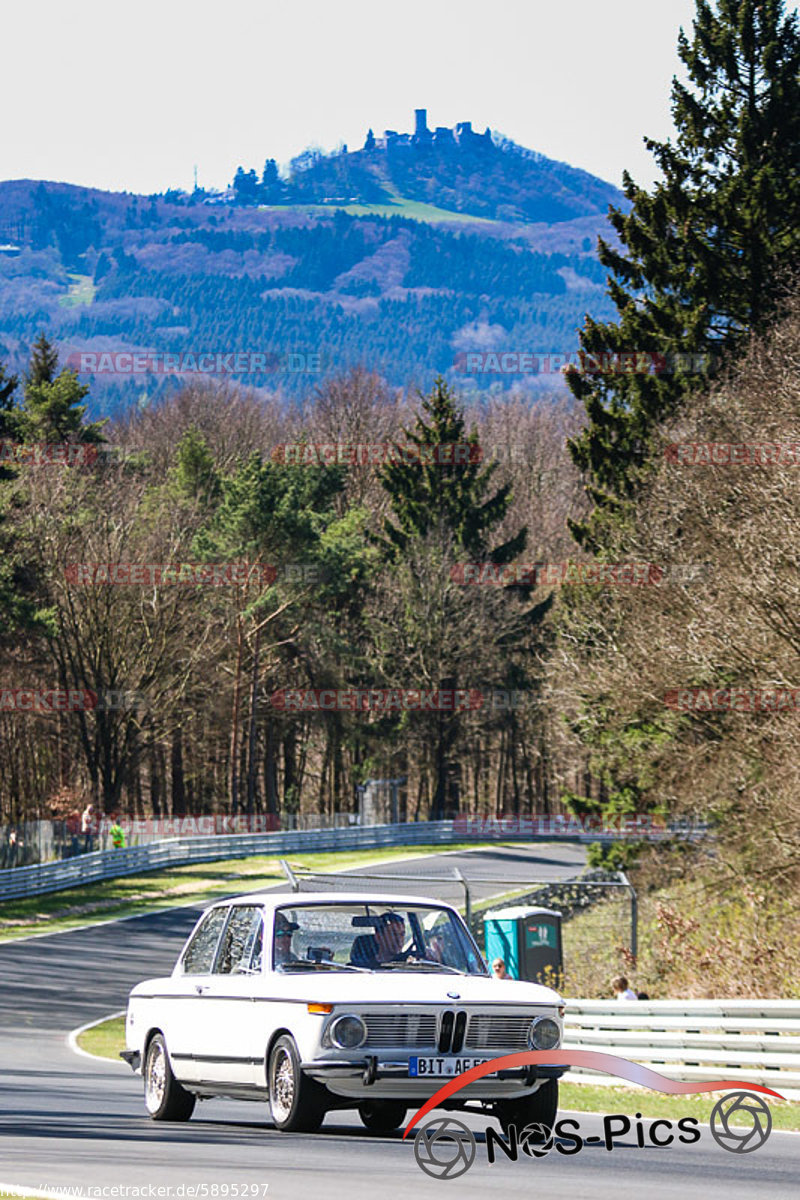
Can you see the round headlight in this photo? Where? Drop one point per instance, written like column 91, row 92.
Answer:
column 544, row 1034
column 348, row 1032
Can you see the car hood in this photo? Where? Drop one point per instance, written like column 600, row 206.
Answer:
column 398, row 987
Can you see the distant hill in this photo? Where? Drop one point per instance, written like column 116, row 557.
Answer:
column 404, row 256
column 484, row 175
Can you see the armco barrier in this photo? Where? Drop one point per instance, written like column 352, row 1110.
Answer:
column 757, row 1041
column 176, row 852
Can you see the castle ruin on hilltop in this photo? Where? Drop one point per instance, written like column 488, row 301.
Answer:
column 462, row 134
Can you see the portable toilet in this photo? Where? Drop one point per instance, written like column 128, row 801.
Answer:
column 528, row 940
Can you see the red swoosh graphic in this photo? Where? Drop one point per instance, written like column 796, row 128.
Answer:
column 612, row 1064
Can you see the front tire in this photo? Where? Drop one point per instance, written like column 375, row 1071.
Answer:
column 382, row 1116
column 297, row 1102
column 540, row 1108
column 164, row 1098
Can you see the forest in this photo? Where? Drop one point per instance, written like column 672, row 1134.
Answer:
column 569, row 607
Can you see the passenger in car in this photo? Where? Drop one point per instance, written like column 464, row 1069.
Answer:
column 436, row 948
column 282, row 942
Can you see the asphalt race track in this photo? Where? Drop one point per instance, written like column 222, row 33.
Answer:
column 70, row 1122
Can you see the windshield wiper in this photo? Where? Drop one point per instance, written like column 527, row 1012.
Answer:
column 425, row 963
column 311, row 965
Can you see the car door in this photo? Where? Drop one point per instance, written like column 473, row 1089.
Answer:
column 232, row 1046
column 185, row 1015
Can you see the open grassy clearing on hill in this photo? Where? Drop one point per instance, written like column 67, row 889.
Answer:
column 414, row 210
column 81, row 291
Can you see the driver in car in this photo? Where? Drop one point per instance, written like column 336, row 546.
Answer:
column 385, row 945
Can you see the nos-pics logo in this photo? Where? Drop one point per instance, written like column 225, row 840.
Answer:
column 446, row 1148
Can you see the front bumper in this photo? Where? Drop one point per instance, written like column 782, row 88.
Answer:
column 389, row 1078
column 132, row 1057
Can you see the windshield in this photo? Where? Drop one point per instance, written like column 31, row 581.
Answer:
column 373, row 937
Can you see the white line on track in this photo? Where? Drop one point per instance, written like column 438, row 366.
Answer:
column 72, row 1042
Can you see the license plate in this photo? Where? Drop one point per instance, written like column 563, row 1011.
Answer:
column 418, row 1067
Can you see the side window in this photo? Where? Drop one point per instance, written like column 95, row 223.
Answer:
column 238, row 940
column 258, row 949
column 199, row 954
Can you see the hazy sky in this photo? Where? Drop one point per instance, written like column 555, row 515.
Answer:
column 132, row 96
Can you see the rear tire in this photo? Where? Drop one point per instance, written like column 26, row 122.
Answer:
column 382, row 1116
column 297, row 1102
column 164, row 1097
column 541, row 1108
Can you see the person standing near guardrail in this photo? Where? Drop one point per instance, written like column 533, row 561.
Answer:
column 621, row 989
column 11, row 849
column 117, row 833
column 72, row 829
column 88, row 827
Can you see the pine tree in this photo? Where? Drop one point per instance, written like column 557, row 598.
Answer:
column 453, row 501
column 426, row 490
column 195, row 473
column 17, row 607
column 43, row 364
column 52, row 411
column 9, row 413
column 703, row 253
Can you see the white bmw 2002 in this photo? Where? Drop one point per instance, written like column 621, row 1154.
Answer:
column 321, row 1001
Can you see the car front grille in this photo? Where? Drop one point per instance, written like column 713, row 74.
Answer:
column 488, row 1032
column 415, row 1030
column 444, row 1031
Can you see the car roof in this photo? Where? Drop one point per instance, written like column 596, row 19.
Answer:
column 273, row 900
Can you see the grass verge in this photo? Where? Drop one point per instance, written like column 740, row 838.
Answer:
column 133, row 895
column 586, row 1097
column 108, row 1039
column 104, row 1040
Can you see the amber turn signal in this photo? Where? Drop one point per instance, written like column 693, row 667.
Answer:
column 320, row 1008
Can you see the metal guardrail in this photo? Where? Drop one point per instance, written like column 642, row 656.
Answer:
column 16, row 882
column 756, row 1041
column 175, row 852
